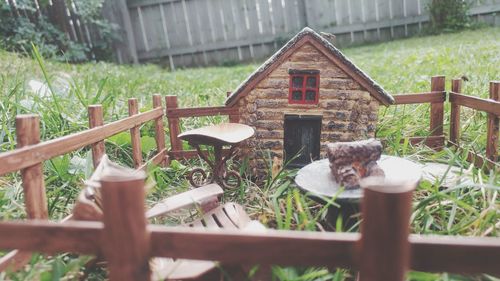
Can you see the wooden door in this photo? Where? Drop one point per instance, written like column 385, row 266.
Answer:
column 302, row 139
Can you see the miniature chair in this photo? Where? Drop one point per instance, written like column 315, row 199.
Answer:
column 228, row 216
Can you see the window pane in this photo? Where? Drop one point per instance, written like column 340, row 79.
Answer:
column 297, row 82
column 311, row 82
column 297, row 95
column 310, row 95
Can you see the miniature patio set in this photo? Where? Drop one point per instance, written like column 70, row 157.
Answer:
column 305, row 103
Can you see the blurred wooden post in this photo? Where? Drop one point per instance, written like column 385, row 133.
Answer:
column 492, row 135
column 135, row 134
column 233, row 118
column 28, row 133
column 35, row 198
column 126, row 240
column 437, row 109
column 96, row 120
column 384, row 245
column 173, row 124
column 159, row 131
column 456, row 87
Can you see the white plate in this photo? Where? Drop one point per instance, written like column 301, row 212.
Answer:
column 317, row 178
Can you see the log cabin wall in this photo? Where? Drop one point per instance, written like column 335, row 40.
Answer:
column 348, row 111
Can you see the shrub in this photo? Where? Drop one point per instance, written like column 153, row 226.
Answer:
column 448, row 15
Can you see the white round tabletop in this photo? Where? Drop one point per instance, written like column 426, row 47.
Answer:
column 317, row 179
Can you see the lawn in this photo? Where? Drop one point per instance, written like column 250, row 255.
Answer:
column 399, row 66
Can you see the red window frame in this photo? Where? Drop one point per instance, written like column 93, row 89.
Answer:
column 304, row 88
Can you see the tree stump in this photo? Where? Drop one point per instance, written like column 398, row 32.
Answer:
column 352, row 161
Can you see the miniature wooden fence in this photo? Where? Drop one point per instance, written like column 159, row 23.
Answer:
column 30, row 154
column 436, row 138
column 436, row 97
column 383, row 251
column 490, row 106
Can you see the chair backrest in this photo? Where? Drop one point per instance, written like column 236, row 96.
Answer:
column 88, row 206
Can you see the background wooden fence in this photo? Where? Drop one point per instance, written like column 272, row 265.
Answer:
column 207, row 32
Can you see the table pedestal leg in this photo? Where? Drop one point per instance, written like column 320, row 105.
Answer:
column 347, row 210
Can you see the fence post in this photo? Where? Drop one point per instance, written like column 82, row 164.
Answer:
column 159, row 132
column 96, row 120
column 456, row 87
column 126, row 240
column 135, row 134
column 493, row 124
column 437, row 109
column 35, row 199
column 173, row 124
column 384, row 245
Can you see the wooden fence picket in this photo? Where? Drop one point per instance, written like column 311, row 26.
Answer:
column 493, row 124
column 456, row 87
column 135, row 133
column 159, row 131
column 173, row 124
column 96, row 119
column 126, row 240
column 437, row 109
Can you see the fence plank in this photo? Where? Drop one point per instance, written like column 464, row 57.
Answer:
column 275, row 247
column 125, row 224
column 431, row 97
column 205, row 32
column 173, row 123
column 159, row 131
column 96, row 120
column 135, row 133
column 385, row 228
column 455, row 254
column 456, row 87
column 487, row 105
column 437, row 108
column 33, row 154
column 278, row 16
column 466, row 255
column 51, row 237
column 35, row 200
column 493, row 125
column 154, row 33
column 200, row 111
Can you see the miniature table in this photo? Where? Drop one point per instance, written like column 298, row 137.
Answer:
column 317, row 180
column 217, row 136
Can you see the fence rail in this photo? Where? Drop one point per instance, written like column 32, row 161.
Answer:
column 207, row 32
column 31, row 153
column 385, row 227
column 490, row 106
column 386, row 213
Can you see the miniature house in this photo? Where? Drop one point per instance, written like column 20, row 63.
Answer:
column 306, row 95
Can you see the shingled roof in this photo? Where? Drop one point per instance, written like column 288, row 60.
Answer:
column 307, row 35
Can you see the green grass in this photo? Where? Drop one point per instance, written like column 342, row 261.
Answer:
column 400, row 66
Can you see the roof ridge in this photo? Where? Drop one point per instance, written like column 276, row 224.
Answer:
column 328, row 45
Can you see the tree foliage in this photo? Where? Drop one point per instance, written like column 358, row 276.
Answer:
column 448, row 15
column 25, row 22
